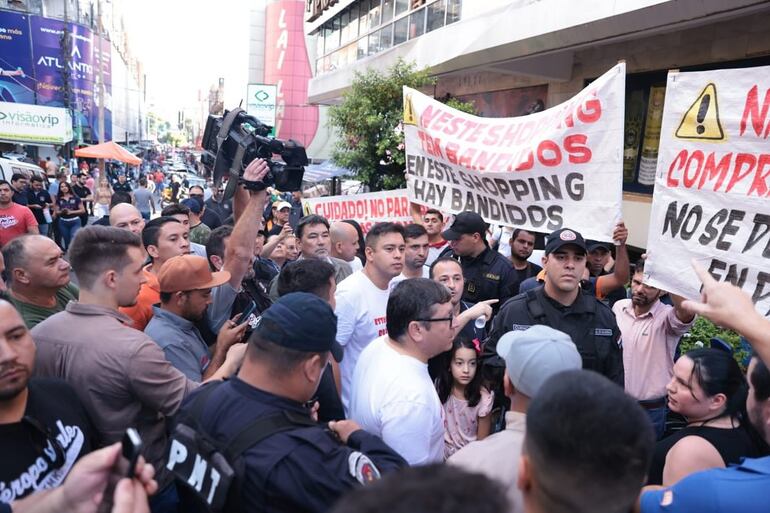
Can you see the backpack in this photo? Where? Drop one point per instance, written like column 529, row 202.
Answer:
column 209, row 473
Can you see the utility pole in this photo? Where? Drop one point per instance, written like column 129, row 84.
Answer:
column 99, row 30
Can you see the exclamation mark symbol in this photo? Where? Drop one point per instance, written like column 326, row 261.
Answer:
column 704, row 108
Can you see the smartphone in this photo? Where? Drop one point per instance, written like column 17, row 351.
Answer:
column 247, row 312
column 131, row 448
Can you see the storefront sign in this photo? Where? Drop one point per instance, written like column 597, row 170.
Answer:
column 261, row 103
column 34, row 124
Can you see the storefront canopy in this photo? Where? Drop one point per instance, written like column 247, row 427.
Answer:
column 109, row 151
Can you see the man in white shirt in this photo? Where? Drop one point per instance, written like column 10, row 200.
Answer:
column 416, row 252
column 344, row 239
column 363, row 297
column 393, row 396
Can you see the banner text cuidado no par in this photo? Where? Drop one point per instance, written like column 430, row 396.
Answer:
column 561, row 167
column 712, row 184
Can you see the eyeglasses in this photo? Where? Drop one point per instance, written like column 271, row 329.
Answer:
column 439, row 319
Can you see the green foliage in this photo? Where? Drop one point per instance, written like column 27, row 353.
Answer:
column 703, row 331
column 368, row 122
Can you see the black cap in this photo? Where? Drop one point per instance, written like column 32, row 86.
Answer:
column 595, row 244
column 564, row 237
column 466, row 222
column 302, row 322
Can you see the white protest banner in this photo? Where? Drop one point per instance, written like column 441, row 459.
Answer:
column 562, row 167
column 711, row 185
column 367, row 209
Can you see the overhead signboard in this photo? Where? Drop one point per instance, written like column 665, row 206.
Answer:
column 34, row 124
column 261, row 103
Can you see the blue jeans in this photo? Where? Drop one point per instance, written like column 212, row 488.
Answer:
column 145, row 215
column 43, row 228
column 68, row 228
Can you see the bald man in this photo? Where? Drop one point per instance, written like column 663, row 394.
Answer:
column 344, row 239
column 127, row 217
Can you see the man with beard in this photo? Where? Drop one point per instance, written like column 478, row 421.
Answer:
column 415, row 252
column 522, row 244
column 650, row 331
column 43, row 426
column 185, row 294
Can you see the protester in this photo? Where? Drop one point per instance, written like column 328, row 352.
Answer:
column 392, row 395
column 522, row 243
column 67, row 210
column 448, row 272
column 709, row 390
column 19, row 186
column 467, row 403
column 415, row 252
column 43, row 426
column 600, row 263
column 120, row 375
column 562, row 305
column 587, row 447
column 362, row 299
column 278, row 253
column 185, row 284
column 281, row 211
column 40, row 203
column 426, row 489
column 306, row 466
column 488, row 274
column 317, row 278
column 217, row 204
column 650, row 332
column 433, row 221
column 163, row 239
column 344, row 244
column 144, row 201
column 292, row 249
column 199, row 232
column 182, row 214
column 39, row 278
column 127, row 217
column 265, row 269
column 313, row 237
column 208, row 216
column 15, row 219
column 531, row 358
column 743, row 487
column 361, row 254
column 297, row 210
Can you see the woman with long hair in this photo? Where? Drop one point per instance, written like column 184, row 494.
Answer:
column 709, row 390
column 68, row 209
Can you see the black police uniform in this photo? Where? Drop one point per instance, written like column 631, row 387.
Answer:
column 488, row 276
column 122, row 187
column 589, row 322
column 299, row 470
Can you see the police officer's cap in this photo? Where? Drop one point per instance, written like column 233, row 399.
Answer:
column 466, row 222
column 302, row 322
column 564, row 237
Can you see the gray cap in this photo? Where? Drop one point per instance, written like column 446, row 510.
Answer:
column 534, row 355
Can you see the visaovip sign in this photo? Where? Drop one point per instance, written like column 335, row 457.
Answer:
column 34, row 124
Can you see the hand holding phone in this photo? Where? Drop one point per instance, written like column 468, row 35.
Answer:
column 131, row 449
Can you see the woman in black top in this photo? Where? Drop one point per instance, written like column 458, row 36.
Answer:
column 709, row 390
column 68, row 209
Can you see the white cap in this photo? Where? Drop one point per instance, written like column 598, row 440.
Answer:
column 534, row 355
column 281, row 205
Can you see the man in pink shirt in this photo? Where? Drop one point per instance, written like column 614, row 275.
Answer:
column 15, row 219
column 650, row 331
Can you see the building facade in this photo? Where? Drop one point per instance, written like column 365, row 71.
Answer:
column 518, row 56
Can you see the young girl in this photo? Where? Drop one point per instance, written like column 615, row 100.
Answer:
column 467, row 404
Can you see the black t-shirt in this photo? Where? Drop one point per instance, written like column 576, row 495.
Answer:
column 71, row 203
column 522, row 274
column 81, row 190
column 33, row 460
column 122, row 187
column 41, row 198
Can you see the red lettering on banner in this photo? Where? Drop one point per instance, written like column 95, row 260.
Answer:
column 710, row 171
column 576, row 146
column 428, row 115
column 751, row 110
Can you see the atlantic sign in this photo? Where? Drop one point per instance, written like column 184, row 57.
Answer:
column 34, row 124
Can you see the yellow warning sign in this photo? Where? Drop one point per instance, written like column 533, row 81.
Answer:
column 409, row 116
column 701, row 121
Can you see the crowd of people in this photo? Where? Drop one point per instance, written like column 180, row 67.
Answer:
column 273, row 361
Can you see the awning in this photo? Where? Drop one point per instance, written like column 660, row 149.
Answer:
column 324, row 171
column 109, row 151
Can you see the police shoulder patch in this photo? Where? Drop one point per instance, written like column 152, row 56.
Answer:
column 520, row 327
column 493, row 277
column 603, row 332
column 362, row 468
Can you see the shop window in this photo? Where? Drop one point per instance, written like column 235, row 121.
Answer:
column 436, row 14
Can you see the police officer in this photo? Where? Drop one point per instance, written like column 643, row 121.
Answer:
column 562, row 305
column 309, row 466
column 487, row 273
